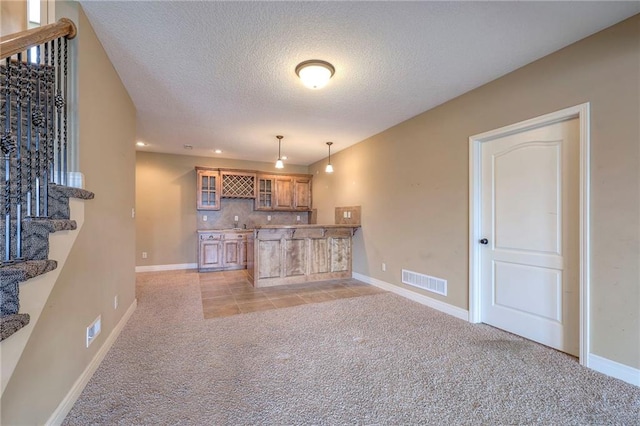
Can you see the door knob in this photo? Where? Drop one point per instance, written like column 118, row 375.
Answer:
column 484, row 241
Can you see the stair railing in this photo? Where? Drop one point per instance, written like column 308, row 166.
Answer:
column 34, row 117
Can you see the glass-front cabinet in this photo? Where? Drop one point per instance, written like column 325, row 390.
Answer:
column 208, row 197
column 266, row 193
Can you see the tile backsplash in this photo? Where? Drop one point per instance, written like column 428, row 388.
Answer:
column 243, row 208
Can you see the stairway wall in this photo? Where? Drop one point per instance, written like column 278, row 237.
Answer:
column 101, row 263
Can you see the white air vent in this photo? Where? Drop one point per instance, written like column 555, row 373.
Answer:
column 94, row 329
column 425, row 282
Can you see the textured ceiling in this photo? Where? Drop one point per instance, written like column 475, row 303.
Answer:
column 221, row 74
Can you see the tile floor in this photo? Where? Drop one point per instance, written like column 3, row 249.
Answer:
column 230, row 293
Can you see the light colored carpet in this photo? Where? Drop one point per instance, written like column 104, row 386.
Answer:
column 377, row 359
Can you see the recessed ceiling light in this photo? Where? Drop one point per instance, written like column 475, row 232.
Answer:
column 140, row 143
column 284, row 157
column 218, row 151
column 187, row 146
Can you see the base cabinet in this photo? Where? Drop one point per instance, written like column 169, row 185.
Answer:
column 210, row 254
column 294, row 255
column 222, row 251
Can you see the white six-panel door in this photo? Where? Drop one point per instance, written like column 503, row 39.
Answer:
column 529, row 254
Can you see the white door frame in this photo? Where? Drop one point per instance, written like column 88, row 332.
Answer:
column 581, row 112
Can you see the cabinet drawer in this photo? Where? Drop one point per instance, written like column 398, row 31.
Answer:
column 235, row 236
column 210, row 236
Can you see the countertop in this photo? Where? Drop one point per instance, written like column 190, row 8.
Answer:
column 301, row 226
column 304, row 226
column 226, row 230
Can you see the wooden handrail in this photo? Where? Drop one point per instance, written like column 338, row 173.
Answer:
column 19, row 42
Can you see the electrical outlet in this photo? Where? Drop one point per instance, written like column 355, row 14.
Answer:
column 144, row 254
column 94, row 330
column 235, row 218
column 349, row 214
column 133, row 213
column 204, row 218
column 298, row 218
column 344, row 214
column 268, row 218
column 384, row 267
column 115, row 302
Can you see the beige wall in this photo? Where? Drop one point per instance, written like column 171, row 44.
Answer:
column 13, row 16
column 412, row 179
column 101, row 264
column 166, row 216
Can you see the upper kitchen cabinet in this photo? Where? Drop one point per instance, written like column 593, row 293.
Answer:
column 265, row 192
column 208, row 187
column 283, row 192
column 238, row 183
column 302, row 193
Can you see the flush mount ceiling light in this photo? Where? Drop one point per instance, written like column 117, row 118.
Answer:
column 140, row 143
column 329, row 168
column 218, row 151
column 279, row 163
column 315, row 73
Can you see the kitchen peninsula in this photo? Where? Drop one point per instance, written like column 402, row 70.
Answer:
column 295, row 254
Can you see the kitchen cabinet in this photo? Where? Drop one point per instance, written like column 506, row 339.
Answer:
column 208, row 189
column 271, row 191
column 298, row 254
column 302, row 193
column 265, row 192
column 235, row 251
column 238, row 183
column 283, row 192
column 222, row 250
column 210, row 251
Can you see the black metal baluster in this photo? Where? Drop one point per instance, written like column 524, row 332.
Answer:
column 28, row 89
column 52, row 112
column 37, row 119
column 47, row 133
column 7, row 149
column 66, row 94
column 58, row 103
column 19, row 160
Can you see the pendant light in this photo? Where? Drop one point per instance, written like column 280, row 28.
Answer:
column 329, row 168
column 279, row 163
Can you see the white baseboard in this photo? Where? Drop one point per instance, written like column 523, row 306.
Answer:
column 57, row 417
column 438, row 305
column 174, row 267
column 614, row 369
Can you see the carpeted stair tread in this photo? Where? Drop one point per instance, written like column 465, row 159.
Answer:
column 59, row 199
column 55, row 225
column 26, row 270
column 51, row 225
column 9, row 324
column 35, row 233
column 72, row 192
